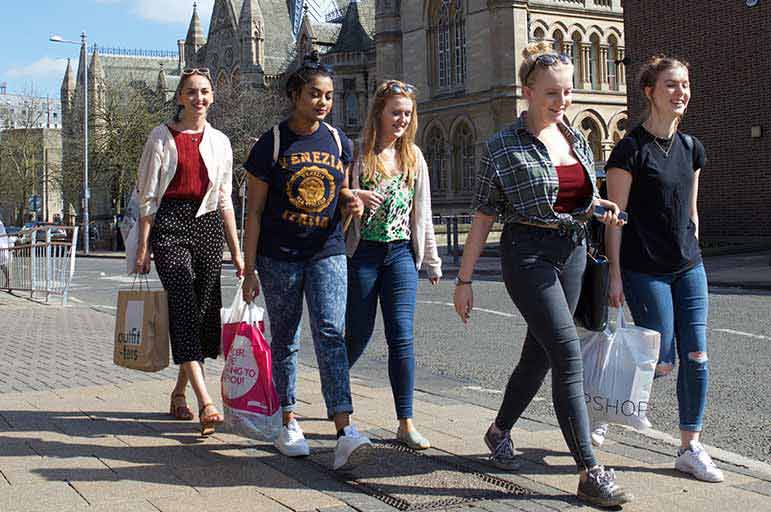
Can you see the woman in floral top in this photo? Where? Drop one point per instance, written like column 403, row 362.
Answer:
column 391, row 241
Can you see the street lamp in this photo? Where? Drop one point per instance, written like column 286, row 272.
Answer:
column 86, row 192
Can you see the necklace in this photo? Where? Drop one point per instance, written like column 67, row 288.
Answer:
column 665, row 151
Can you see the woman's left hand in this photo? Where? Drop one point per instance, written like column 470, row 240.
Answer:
column 612, row 211
column 434, row 280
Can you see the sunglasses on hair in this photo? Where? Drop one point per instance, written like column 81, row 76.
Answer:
column 547, row 60
column 396, row 88
column 197, row 71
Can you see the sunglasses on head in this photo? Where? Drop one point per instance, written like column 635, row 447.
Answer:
column 196, row 71
column 547, row 60
column 397, row 88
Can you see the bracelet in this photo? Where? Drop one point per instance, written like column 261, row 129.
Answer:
column 459, row 281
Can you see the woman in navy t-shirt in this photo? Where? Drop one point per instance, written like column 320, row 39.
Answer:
column 297, row 186
column 653, row 173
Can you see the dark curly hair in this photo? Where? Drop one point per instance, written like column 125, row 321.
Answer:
column 310, row 68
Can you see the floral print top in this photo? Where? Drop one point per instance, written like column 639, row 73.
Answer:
column 389, row 222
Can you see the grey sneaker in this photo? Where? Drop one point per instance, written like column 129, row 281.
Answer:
column 501, row 448
column 600, row 489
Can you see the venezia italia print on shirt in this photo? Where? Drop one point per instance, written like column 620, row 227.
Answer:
column 301, row 219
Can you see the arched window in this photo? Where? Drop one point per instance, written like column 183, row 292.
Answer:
column 447, row 41
column 593, row 134
column 236, row 77
column 577, row 60
column 559, row 40
column 464, row 160
column 351, row 109
column 612, row 66
column 539, row 34
column 594, row 62
column 436, row 156
column 222, row 81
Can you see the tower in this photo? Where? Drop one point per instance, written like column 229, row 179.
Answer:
column 388, row 40
column 67, row 97
column 194, row 40
column 251, row 26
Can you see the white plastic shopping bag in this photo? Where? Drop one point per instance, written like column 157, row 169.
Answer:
column 129, row 230
column 249, row 398
column 618, row 373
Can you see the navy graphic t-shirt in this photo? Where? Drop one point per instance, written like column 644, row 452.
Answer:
column 301, row 220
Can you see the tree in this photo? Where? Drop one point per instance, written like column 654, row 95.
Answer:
column 25, row 169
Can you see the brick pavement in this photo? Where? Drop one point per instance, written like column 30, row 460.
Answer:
column 95, row 438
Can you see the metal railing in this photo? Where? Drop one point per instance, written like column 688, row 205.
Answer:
column 40, row 261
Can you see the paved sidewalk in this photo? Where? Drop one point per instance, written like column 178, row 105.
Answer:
column 78, row 434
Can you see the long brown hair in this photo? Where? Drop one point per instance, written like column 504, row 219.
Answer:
column 404, row 145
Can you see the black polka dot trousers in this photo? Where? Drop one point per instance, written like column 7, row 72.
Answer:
column 188, row 257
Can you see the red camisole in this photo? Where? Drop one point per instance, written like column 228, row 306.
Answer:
column 575, row 188
column 191, row 179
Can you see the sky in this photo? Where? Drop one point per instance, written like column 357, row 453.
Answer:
column 30, row 63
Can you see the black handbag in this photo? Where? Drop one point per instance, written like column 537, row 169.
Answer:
column 592, row 309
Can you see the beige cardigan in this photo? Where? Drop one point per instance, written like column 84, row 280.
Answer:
column 421, row 223
column 159, row 164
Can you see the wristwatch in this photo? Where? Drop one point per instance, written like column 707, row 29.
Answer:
column 459, row 281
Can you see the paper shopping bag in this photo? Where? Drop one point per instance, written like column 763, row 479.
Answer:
column 142, row 330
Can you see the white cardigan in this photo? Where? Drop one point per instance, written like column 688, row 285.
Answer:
column 421, row 222
column 159, row 164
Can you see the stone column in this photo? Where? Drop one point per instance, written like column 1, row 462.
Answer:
column 586, row 50
column 604, row 71
column 621, row 69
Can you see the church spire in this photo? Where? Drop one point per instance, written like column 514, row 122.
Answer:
column 194, row 40
column 161, row 84
column 194, row 31
column 68, row 84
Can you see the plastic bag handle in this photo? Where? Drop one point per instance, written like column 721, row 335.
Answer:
column 620, row 322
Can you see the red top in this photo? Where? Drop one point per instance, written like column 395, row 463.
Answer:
column 575, row 188
column 191, row 179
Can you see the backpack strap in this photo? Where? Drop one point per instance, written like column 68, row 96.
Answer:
column 336, row 136
column 276, row 143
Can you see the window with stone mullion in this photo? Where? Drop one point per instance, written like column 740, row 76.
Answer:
column 443, row 45
column 460, row 48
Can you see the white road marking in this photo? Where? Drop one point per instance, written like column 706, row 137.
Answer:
column 490, row 311
column 128, row 279
column 740, row 333
column 509, row 315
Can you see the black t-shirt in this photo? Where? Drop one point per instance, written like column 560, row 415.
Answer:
column 301, row 220
column 660, row 237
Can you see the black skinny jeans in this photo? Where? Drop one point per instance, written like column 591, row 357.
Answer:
column 543, row 269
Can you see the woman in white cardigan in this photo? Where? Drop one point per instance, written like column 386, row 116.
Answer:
column 184, row 189
column 390, row 242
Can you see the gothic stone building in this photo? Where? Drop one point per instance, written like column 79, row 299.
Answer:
column 462, row 55
column 730, row 73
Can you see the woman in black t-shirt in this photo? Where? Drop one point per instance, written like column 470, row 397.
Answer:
column 653, row 173
column 297, row 185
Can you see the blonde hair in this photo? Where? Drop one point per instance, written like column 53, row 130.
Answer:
column 529, row 69
column 649, row 74
column 405, row 150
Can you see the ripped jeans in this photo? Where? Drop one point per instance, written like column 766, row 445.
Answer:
column 676, row 306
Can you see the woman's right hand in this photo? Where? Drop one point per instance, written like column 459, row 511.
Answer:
column 371, row 199
column 142, row 265
column 464, row 301
column 251, row 287
column 615, row 291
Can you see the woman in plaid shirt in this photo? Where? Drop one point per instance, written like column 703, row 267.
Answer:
column 538, row 174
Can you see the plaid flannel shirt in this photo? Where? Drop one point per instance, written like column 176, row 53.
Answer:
column 517, row 179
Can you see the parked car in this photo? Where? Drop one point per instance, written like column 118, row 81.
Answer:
column 58, row 234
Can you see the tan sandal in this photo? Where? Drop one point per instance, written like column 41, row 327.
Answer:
column 178, row 408
column 209, row 421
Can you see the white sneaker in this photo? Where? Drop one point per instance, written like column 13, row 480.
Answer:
column 598, row 434
column 352, row 449
column 291, row 441
column 697, row 462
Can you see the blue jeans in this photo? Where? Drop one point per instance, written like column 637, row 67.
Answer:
column 543, row 271
column 385, row 271
column 676, row 306
column 323, row 282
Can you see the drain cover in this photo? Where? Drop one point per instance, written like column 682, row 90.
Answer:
column 411, row 481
